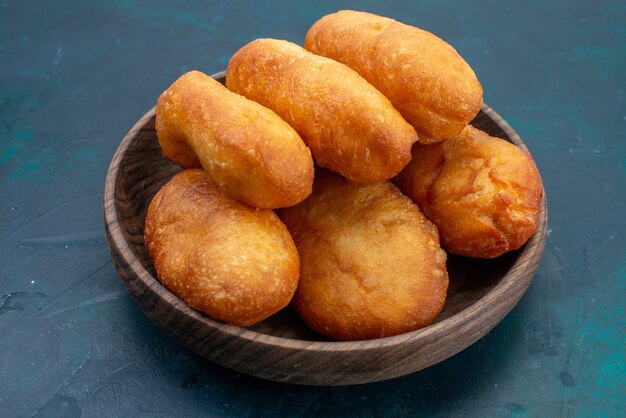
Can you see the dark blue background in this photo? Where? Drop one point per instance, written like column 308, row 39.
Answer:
column 75, row 76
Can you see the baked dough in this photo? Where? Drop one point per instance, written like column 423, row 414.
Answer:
column 370, row 262
column 248, row 150
column 350, row 126
column 483, row 193
column 232, row 262
column 422, row 75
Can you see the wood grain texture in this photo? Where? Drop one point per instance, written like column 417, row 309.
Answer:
column 281, row 348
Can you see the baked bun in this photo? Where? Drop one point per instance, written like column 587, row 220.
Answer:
column 422, row 75
column 228, row 260
column 482, row 193
column 370, row 262
column 247, row 150
column 350, row 126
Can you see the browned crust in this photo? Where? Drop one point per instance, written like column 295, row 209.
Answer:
column 371, row 264
column 232, row 262
column 482, row 193
column 423, row 76
column 248, row 150
column 350, row 126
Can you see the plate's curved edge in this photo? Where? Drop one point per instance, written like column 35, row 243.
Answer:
column 220, row 74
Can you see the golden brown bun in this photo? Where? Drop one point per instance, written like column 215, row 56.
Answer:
column 232, row 262
column 350, row 126
column 370, row 262
column 248, row 150
column 422, row 75
column 482, row 193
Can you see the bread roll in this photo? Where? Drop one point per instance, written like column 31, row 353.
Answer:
column 422, row 75
column 247, row 150
column 232, row 262
column 370, row 262
column 482, row 193
column 350, row 126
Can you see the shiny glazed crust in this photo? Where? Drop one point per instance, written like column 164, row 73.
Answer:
column 422, row 75
column 248, row 150
column 350, row 126
column 232, row 262
column 371, row 264
column 482, row 193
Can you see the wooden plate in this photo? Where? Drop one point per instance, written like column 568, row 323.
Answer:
column 281, row 348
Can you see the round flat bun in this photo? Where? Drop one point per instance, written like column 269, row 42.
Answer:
column 371, row 264
column 228, row 260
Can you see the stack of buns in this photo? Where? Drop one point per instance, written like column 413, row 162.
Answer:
column 360, row 142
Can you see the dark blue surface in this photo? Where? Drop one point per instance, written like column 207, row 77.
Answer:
column 75, row 76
